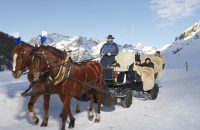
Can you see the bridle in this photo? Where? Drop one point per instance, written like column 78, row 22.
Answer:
column 24, row 61
column 41, row 55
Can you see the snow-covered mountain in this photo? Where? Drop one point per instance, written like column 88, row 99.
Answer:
column 82, row 48
column 145, row 49
column 185, row 49
column 85, row 48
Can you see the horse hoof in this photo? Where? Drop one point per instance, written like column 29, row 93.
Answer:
column 78, row 110
column 44, row 124
column 62, row 128
column 96, row 120
column 90, row 118
column 71, row 124
column 36, row 120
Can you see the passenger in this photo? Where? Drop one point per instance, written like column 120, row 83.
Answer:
column 108, row 52
column 148, row 63
column 138, row 62
column 132, row 76
column 159, row 55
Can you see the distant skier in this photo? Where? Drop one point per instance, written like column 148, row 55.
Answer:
column 148, row 63
column 108, row 52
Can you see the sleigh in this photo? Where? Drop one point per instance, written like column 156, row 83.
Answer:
column 121, row 85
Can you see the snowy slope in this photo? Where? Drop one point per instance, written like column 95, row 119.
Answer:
column 184, row 50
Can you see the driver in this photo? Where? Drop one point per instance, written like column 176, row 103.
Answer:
column 108, row 52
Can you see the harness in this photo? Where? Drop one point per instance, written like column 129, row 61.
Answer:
column 68, row 65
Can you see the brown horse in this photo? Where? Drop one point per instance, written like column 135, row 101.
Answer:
column 86, row 77
column 21, row 61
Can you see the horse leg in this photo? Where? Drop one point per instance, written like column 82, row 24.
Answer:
column 32, row 114
column 63, row 113
column 64, row 118
column 78, row 106
column 72, row 119
column 46, row 111
column 90, row 112
column 67, row 111
column 99, row 101
column 63, row 100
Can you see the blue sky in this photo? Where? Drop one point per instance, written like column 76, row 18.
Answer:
column 152, row 22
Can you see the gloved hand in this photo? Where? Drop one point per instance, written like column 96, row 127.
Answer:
column 109, row 54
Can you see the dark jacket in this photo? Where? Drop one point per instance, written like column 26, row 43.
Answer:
column 132, row 75
column 151, row 65
column 109, row 48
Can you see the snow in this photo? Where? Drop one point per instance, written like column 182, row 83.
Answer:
column 145, row 49
column 183, row 51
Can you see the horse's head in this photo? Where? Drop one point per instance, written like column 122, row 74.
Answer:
column 21, row 59
column 44, row 61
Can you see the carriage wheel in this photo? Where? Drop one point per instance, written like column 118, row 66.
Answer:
column 154, row 92
column 127, row 100
column 114, row 100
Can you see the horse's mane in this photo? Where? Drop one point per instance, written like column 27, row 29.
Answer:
column 28, row 45
column 55, row 51
column 23, row 44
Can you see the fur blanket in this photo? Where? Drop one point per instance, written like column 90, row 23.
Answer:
column 158, row 63
column 147, row 76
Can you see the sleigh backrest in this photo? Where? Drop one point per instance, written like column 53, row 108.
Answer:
column 125, row 59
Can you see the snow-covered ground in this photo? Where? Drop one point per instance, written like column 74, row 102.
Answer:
column 176, row 108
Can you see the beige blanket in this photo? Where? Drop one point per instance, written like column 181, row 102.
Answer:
column 147, row 76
